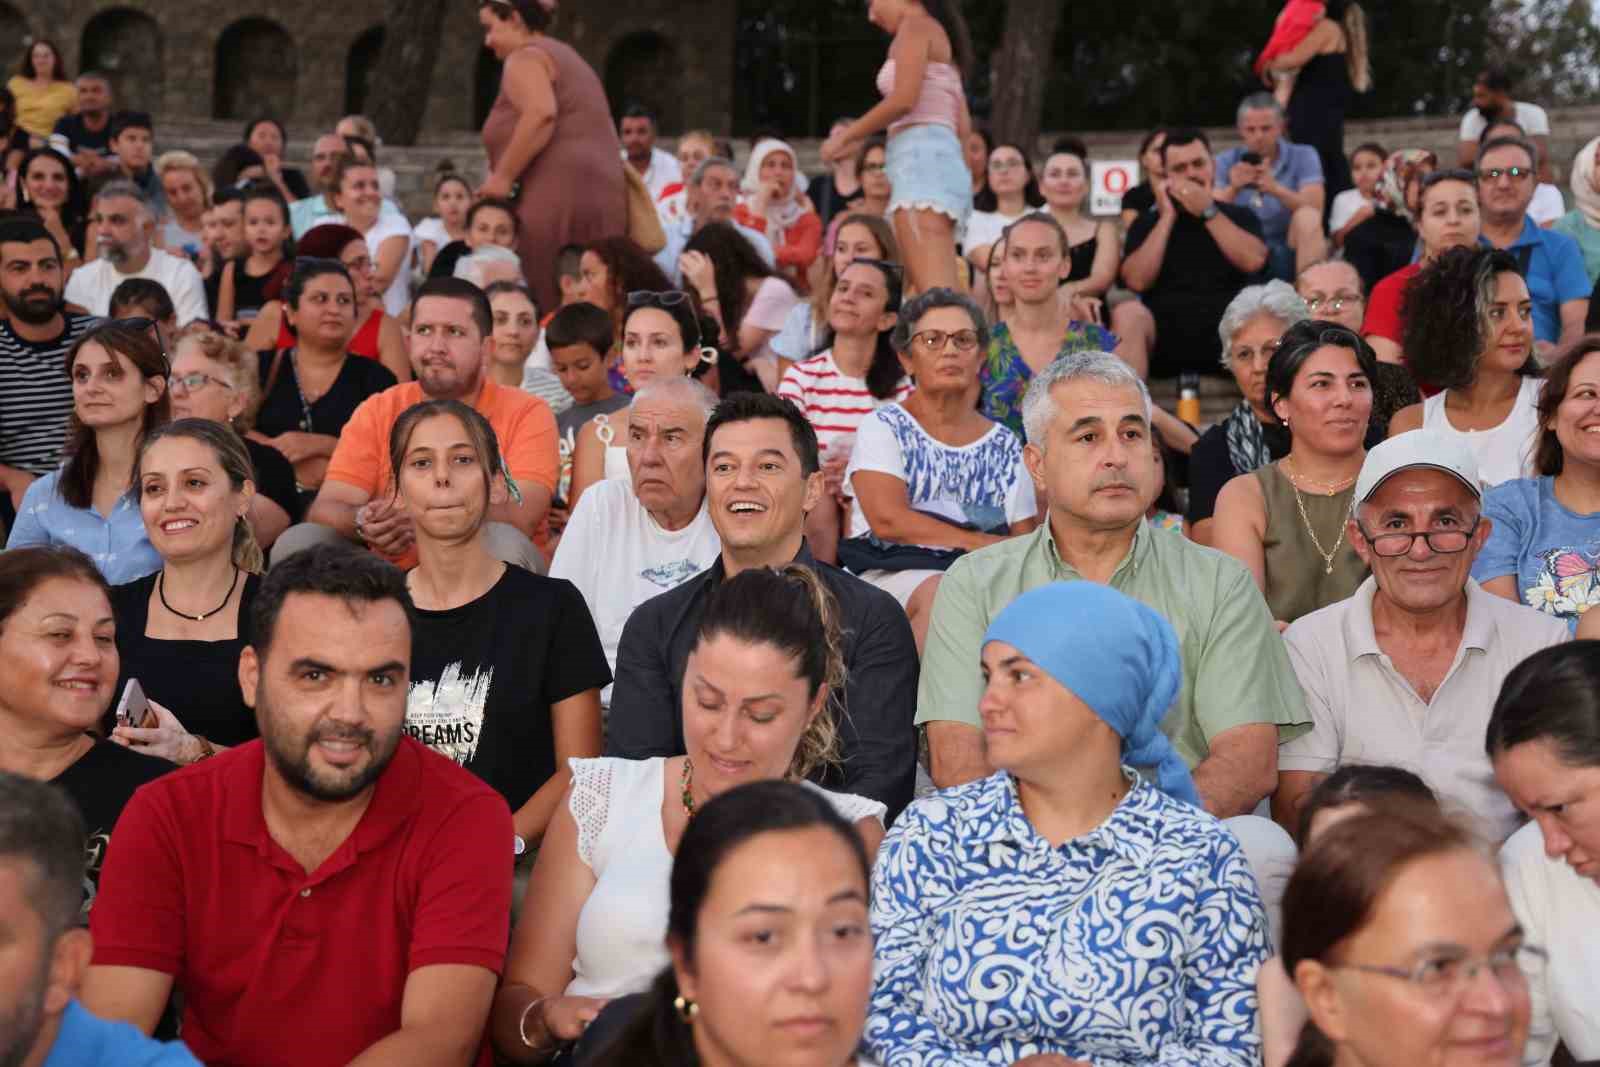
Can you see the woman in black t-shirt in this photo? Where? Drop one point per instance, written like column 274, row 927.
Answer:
column 506, row 666
column 58, row 656
column 181, row 629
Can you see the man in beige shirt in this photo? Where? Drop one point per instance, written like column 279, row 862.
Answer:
column 1406, row 671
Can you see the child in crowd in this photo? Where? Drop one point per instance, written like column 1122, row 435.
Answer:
column 1294, row 22
column 1354, row 206
column 452, row 197
column 145, row 298
column 579, row 336
column 489, row 222
column 258, row 276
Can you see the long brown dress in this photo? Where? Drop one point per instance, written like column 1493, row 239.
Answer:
column 572, row 192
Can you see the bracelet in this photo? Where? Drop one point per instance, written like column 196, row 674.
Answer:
column 207, row 749
column 522, row 1024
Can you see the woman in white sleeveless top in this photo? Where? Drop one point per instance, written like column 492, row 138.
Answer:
column 757, row 704
column 1469, row 332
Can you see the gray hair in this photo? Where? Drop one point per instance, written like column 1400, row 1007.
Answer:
column 690, row 391
column 121, row 189
column 41, row 830
column 473, row 268
column 1258, row 102
column 1276, row 298
column 1039, row 407
column 933, row 299
column 706, row 166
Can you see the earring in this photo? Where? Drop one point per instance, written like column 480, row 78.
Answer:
column 687, row 1009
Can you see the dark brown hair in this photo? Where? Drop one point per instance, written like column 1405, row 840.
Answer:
column 22, row 570
column 479, row 433
column 139, row 348
column 1548, row 458
column 26, row 69
column 531, row 12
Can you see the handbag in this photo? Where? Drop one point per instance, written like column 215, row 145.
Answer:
column 644, row 223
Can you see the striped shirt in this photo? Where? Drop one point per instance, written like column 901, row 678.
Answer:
column 36, row 396
column 834, row 402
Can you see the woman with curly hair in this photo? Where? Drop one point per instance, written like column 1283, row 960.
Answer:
column 749, row 300
column 608, row 271
column 1469, row 330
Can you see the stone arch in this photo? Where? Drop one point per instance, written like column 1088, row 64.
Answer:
column 359, row 69
column 645, row 67
column 127, row 46
column 257, row 67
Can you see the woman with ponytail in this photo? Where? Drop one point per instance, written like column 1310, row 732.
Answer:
column 1329, row 65
column 1400, row 937
column 758, row 704
column 766, row 872
column 180, row 630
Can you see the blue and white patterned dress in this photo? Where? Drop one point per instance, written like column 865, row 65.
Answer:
column 1137, row 943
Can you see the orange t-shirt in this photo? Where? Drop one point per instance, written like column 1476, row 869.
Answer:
column 523, row 423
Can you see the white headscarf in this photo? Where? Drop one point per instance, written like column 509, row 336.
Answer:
column 1583, row 191
column 781, row 214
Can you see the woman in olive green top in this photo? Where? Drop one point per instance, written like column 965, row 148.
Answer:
column 1286, row 522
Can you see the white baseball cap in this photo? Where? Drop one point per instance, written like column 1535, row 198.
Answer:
column 1414, row 450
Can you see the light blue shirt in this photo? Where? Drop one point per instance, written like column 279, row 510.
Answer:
column 679, row 233
column 315, row 209
column 1553, row 552
column 118, row 545
column 1552, row 265
column 85, row 1041
column 1136, row 943
column 1296, row 167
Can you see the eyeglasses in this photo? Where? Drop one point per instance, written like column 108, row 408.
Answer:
column 1251, row 355
column 1006, row 164
column 935, row 340
column 1494, row 174
column 1442, row 542
column 1448, row 977
column 193, row 383
column 873, row 168
column 669, row 298
column 1335, row 303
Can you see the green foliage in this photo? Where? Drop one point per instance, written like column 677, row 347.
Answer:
column 1551, row 47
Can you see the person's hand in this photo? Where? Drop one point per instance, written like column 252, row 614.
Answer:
column 296, row 445
column 557, row 518
column 167, row 739
column 1243, row 174
column 566, row 1018
column 1190, row 195
column 835, row 148
column 1166, row 209
column 698, row 271
column 385, row 528
column 1087, row 308
column 274, row 166
column 496, row 187
column 833, row 475
column 1363, row 213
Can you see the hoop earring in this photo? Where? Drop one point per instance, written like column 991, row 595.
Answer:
column 687, row 1010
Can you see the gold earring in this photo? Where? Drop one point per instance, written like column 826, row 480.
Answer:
column 687, row 1009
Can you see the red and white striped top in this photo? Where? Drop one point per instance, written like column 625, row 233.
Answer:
column 833, row 401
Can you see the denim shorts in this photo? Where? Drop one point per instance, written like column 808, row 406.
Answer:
column 927, row 172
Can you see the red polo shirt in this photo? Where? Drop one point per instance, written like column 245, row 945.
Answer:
column 280, row 967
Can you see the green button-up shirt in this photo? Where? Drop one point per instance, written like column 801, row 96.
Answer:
column 1236, row 669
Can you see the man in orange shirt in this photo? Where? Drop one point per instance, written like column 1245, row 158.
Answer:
column 451, row 336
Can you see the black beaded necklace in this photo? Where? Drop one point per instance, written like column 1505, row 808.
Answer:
column 161, row 591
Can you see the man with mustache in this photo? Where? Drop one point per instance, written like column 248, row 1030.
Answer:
column 1090, row 453
column 124, row 223
column 332, row 892
column 35, row 334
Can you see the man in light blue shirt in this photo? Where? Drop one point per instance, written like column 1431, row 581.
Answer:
column 47, row 950
column 1281, row 182
column 710, row 194
column 318, row 207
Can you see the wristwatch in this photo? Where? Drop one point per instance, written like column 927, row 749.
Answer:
column 1211, row 212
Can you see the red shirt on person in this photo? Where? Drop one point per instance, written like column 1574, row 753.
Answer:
column 1383, row 306
column 280, row 967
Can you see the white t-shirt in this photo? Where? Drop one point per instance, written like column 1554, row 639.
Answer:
column 987, row 227
column 982, row 486
column 1503, row 452
column 1345, row 206
column 92, row 284
column 622, row 929
column 1531, row 117
column 398, row 295
column 432, row 229
column 664, row 170
column 619, row 557
column 1548, row 204
column 834, row 402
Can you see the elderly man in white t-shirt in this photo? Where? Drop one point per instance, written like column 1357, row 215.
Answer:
column 125, row 225
column 1406, row 671
column 627, row 541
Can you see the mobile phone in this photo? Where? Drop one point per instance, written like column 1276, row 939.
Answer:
column 1252, row 158
column 134, row 708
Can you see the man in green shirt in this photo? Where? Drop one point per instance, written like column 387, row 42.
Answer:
column 1087, row 418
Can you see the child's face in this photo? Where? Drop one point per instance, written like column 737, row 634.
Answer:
column 582, row 371
column 1365, row 170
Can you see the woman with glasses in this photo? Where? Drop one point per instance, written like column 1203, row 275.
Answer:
column 663, row 335
column 119, row 375
column 216, row 378
column 1250, row 437
column 932, row 476
column 1399, row 935
column 1469, row 331
column 1544, row 739
column 1333, row 292
column 310, row 391
column 871, row 202
column 1286, row 521
column 1446, row 216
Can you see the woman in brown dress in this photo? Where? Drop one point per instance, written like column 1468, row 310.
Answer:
column 551, row 131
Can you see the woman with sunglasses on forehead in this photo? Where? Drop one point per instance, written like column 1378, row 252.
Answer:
column 119, row 375
column 932, row 477
column 1286, row 521
column 662, row 336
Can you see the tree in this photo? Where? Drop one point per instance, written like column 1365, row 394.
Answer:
column 1027, row 50
column 405, row 68
column 1551, row 48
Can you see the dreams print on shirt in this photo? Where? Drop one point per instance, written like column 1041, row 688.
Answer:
column 447, row 715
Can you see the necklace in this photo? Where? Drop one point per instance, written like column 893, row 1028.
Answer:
column 161, row 591
column 306, row 424
column 1327, row 557
column 685, row 782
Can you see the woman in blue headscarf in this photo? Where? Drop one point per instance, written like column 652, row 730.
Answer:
column 1065, row 907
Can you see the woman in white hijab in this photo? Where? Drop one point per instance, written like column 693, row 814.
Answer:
column 1582, row 223
column 773, row 201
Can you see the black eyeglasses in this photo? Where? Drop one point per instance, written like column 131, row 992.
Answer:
column 1441, row 542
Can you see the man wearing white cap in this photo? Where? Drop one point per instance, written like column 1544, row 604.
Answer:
column 1406, row 671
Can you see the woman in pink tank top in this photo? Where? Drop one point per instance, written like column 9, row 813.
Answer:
column 924, row 110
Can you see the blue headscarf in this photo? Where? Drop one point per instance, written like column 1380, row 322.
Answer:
column 1116, row 655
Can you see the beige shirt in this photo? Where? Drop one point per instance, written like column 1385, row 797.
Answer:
column 1364, row 711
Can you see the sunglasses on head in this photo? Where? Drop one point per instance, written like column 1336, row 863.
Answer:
column 669, row 298
column 140, row 324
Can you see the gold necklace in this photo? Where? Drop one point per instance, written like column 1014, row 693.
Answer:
column 1327, row 557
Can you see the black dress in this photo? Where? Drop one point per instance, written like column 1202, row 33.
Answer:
column 1081, row 256
column 1379, row 247
column 274, row 477
column 1316, row 116
column 282, row 409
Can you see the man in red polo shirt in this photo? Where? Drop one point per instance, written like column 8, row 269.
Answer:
column 333, row 893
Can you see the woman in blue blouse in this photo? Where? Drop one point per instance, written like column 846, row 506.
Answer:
column 119, row 376
column 1064, row 906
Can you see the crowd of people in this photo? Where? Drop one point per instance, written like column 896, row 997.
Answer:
column 664, row 608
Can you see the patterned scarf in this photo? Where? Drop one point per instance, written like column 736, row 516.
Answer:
column 1247, row 442
column 1403, row 168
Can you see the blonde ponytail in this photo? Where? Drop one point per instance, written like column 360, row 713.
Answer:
column 247, row 553
column 1357, row 58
